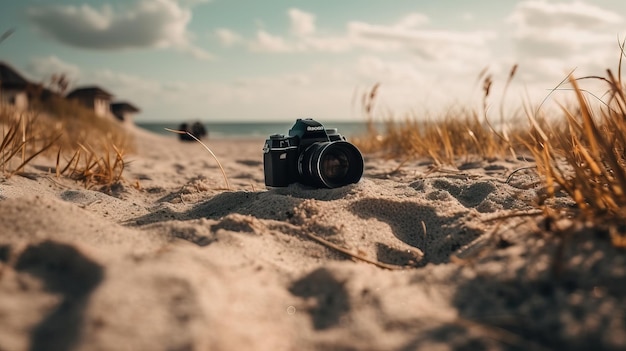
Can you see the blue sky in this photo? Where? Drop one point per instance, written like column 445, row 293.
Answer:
column 277, row 60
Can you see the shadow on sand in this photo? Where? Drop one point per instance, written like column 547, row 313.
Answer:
column 65, row 271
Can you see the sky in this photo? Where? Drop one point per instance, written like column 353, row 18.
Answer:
column 278, row 60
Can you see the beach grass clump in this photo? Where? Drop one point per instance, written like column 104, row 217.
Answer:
column 586, row 158
column 446, row 141
column 21, row 142
column 459, row 134
column 102, row 166
column 87, row 147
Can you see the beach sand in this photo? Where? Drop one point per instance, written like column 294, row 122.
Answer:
column 172, row 260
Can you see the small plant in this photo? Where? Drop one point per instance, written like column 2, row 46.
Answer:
column 94, row 167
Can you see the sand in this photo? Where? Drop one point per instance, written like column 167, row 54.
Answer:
column 172, row 260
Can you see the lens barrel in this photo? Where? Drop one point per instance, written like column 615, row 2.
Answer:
column 330, row 164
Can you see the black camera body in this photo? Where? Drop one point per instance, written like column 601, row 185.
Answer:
column 311, row 155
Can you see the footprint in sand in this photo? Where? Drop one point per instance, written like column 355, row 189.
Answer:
column 469, row 195
column 436, row 235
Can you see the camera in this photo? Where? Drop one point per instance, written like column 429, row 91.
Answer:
column 311, row 155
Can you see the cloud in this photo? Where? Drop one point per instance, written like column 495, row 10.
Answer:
column 406, row 34
column 302, row 29
column 577, row 14
column 412, row 20
column 144, row 24
column 44, row 67
column 227, row 37
column 428, row 44
column 553, row 37
column 559, row 42
column 270, row 43
column 406, row 56
column 190, row 3
column 302, row 23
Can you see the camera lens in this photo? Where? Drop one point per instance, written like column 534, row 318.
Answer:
column 335, row 165
column 331, row 164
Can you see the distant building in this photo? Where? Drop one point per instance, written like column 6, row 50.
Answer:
column 124, row 111
column 94, row 98
column 13, row 88
column 19, row 95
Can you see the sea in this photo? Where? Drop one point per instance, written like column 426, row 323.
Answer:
column 253, row 129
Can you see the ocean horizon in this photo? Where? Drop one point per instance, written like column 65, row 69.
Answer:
column 253, row 129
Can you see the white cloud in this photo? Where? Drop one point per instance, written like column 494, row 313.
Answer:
column 44, row 67
column 428, row 44
column 576, row 14
column 412, row 20
column 270, row 43
column 144, row 24
column 417, row 66
column 559, row 42
column 407, row 34
column 302, row 23
column 227, row 37
column 303, row 37
column 189, row 3
column 551, row 38
column 325, row 44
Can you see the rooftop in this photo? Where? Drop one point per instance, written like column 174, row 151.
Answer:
column 92, row 91
column 10, row 78
column 123, row 106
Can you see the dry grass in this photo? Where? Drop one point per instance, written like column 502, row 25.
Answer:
column 20, row 143
column 101, row 167
column 459, row 134
column 219, row 164
column 445, row 141
column 582, row 153
column 586, row 158
column 87, row 148
column 81, row 126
